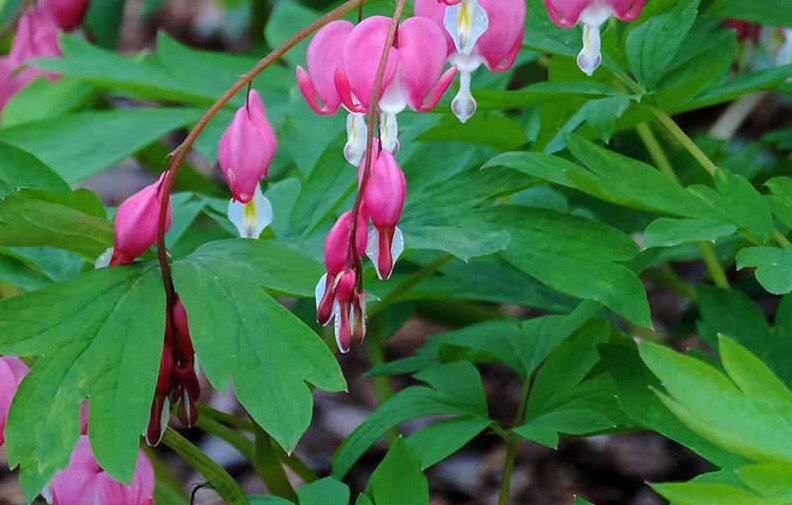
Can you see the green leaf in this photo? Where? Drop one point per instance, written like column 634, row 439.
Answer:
column 770, row 12
column 665, row 232
column 19, row 170
column 244, row 336
column 493, row 129
column 577, row 257
column 268, row 500
column 104, row 21
column 438, row 441
column 653, row 45
column 456, row 390
column 80, row 145
column 398, row 479
column 561, row 402
column 105, row 346
column 781, row 198
column 327, row 491
column 773, row 267
column 742, row 204
column 581, row 501
column 694, row 493
column 44, row 99
column 731, row 411
column 73, row 221
column 738, row 86
column 635, row 385
column 771, row 480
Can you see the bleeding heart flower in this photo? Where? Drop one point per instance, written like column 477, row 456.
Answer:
column 68, row 13
column 323, row 59
column 136, row 224
column 488, row 32
column 413, row 75
column 12, row 371
column 247, row 148
column 383, row 200
column 746, row 31
column 83, row 482
column 592, row 14
column 177, row 382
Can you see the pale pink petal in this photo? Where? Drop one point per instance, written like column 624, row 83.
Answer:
column 627, row 10
column 136, row 224
column 566, row 13
column 506, row 26
column 139, row 492
column 435, row 10
column 422, row 56
column 362, row 53
column 325, row 53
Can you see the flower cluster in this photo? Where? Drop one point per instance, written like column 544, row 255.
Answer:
column 83, row 480
column 37, row 37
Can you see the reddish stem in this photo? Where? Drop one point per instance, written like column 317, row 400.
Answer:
column 372, row 122
column 179, row 154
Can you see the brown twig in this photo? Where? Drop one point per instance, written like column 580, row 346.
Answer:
column 179, row 154
column 372, row 123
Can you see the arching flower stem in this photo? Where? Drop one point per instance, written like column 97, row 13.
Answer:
column 372, row 116
column 180, row 153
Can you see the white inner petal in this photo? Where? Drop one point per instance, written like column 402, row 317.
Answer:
column 389, row 132
column 785, row 53
column 372, row 249
column 590, row 56
column 464, row 105
column 397, row 247
column 355, row 148
column 466, row 22
column 320, row 290
column 250, row 219
column 104, row 259
column 337, row 326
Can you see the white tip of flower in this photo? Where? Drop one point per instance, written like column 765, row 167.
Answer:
column 590, row 57
column 397, row 247
column 320, row 290
column 164, row 421
column 337, row 327
column 466, row 22
column 389, row 132
column 785, row 53
column 355, row 148
column 464, row 105
column 250, row 219
column 103, row 260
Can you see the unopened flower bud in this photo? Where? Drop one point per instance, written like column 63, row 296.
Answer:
column 136, row 224
column 383, row 199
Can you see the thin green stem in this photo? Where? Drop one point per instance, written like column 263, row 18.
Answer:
column 656, row 151
column 683, row 138
column 297, row 466
column 781, row 239
column 409, row 283
column 512, row 443
column 237, row 422
column 269, row 467
column 234, row 438
column 215, row 475
column 715, row 269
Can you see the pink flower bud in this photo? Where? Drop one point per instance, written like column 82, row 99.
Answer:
column 383, row 199
column 136, row 224
column 83, row 481
column 247, row 148
column 350, row 315
column 337, row 260
column 12, row 371
column 323, row 59
column 592, row 14
column 68, row 13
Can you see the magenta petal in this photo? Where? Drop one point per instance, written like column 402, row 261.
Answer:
column 627, row 10
column 435, row 10
column 136, row 223
column 386, row 191
column 324, row 57
column 9, row 382
column 246, row 149
column 439, row 90
column 362, row 53
column 506, row 28
column 336, row 251
column 566, row 13
column 422, row 56
column 74, row 486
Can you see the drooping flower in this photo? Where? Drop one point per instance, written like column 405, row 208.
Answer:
column 252, row 218
column 247, row 148
column 12, row 371
column 338, row 296
column 383, row 200
column 177, row 381
column 413, row 76
column 36, row 37
column 317, row 83
column 488, row 32
column 83, row 482
column 136, row 224
column 68, row 13
column 592, row 14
